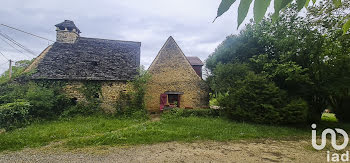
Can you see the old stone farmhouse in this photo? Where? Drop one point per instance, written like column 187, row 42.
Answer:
column 79, row 60
column 176, row 80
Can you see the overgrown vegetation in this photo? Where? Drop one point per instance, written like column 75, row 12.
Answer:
column 92, row 104
column 285, row 71
column 23, row 101
column 132, row 103
column 180, row 113
column 17, row 70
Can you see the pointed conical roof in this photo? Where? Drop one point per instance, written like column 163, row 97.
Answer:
column 171, row 56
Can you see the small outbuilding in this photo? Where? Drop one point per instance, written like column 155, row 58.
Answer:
column 176, row 80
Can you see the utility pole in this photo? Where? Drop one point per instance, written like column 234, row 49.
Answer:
column 10, row 69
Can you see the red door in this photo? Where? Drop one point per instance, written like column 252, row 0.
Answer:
column 163, row 101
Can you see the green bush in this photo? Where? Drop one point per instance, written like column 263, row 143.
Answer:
column 47, row 101
column 178, row 112
column 132, row 103
column 295, row 112
column 82, row 108
column 10, row 92
column 343, row 111
column 259, row 100
column 42, row 100
column 14, row 114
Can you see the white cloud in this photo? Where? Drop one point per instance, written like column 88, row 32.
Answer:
column 149, row 22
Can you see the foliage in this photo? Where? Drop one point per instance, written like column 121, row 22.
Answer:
column 317, row 74
column 14, row 114
column 132, row 103
column 46, row 100
column 295, row 112
column 92, row 91
column 226, row 76
column 329, row 117
column 178, row 112
column 10, row 92
column 342, row 112
column 82, row 108
column 260, row 8
column 17, row 70
column 41, row 99
column 259, row 100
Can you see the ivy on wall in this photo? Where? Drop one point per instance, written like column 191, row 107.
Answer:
column 92, row 91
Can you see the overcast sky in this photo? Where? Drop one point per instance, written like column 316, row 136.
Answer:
column 150, row 22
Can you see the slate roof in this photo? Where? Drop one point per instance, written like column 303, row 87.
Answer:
column 91, row 59
column 195, row 61
column 69, row 25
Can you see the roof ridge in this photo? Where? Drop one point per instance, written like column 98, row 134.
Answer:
column 109, row 39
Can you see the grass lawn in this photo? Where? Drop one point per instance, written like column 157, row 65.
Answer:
column 43, row 133
column 94, row 131
column 329, row 117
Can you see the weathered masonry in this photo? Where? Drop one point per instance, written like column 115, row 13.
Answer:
column 78, row 60
column 175, row 80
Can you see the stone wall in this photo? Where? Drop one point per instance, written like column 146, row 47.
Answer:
column 110, row 91
column 73, row 90
column 171, row 71
column 66, row 36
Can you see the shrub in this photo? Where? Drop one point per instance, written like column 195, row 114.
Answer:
column 133, row 102
column 82, row 108
column 343, row 111
column 256, row 99
column 47, row 101
column 259, row 100
column 14, row 114
column 10, row 92
column 42, row 101
column 178, row 112
column 295, row 112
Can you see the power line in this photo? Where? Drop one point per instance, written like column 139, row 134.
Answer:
column 26, row 32
column 14, row 47
column 4, row 56
column 16, row 43
column 4, row 63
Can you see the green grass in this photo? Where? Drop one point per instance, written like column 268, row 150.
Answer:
column 95, row 131
column 329, row 117
column 187, row 130
column 43, row 133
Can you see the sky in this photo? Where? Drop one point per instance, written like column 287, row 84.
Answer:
column 150, row 22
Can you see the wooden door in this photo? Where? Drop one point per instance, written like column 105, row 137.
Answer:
column 163, row 101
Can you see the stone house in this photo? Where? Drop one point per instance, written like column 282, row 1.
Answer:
column 176, row 80
column 78, row 60
column 75, row 60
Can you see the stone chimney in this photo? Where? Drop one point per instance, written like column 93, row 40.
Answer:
column 67, row 32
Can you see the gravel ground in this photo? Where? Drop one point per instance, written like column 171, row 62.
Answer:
column 242, row 151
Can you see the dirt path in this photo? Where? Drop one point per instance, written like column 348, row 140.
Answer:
column 243, row 151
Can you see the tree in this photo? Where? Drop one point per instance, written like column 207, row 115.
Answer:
column 260, row 8
column 292, row 53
